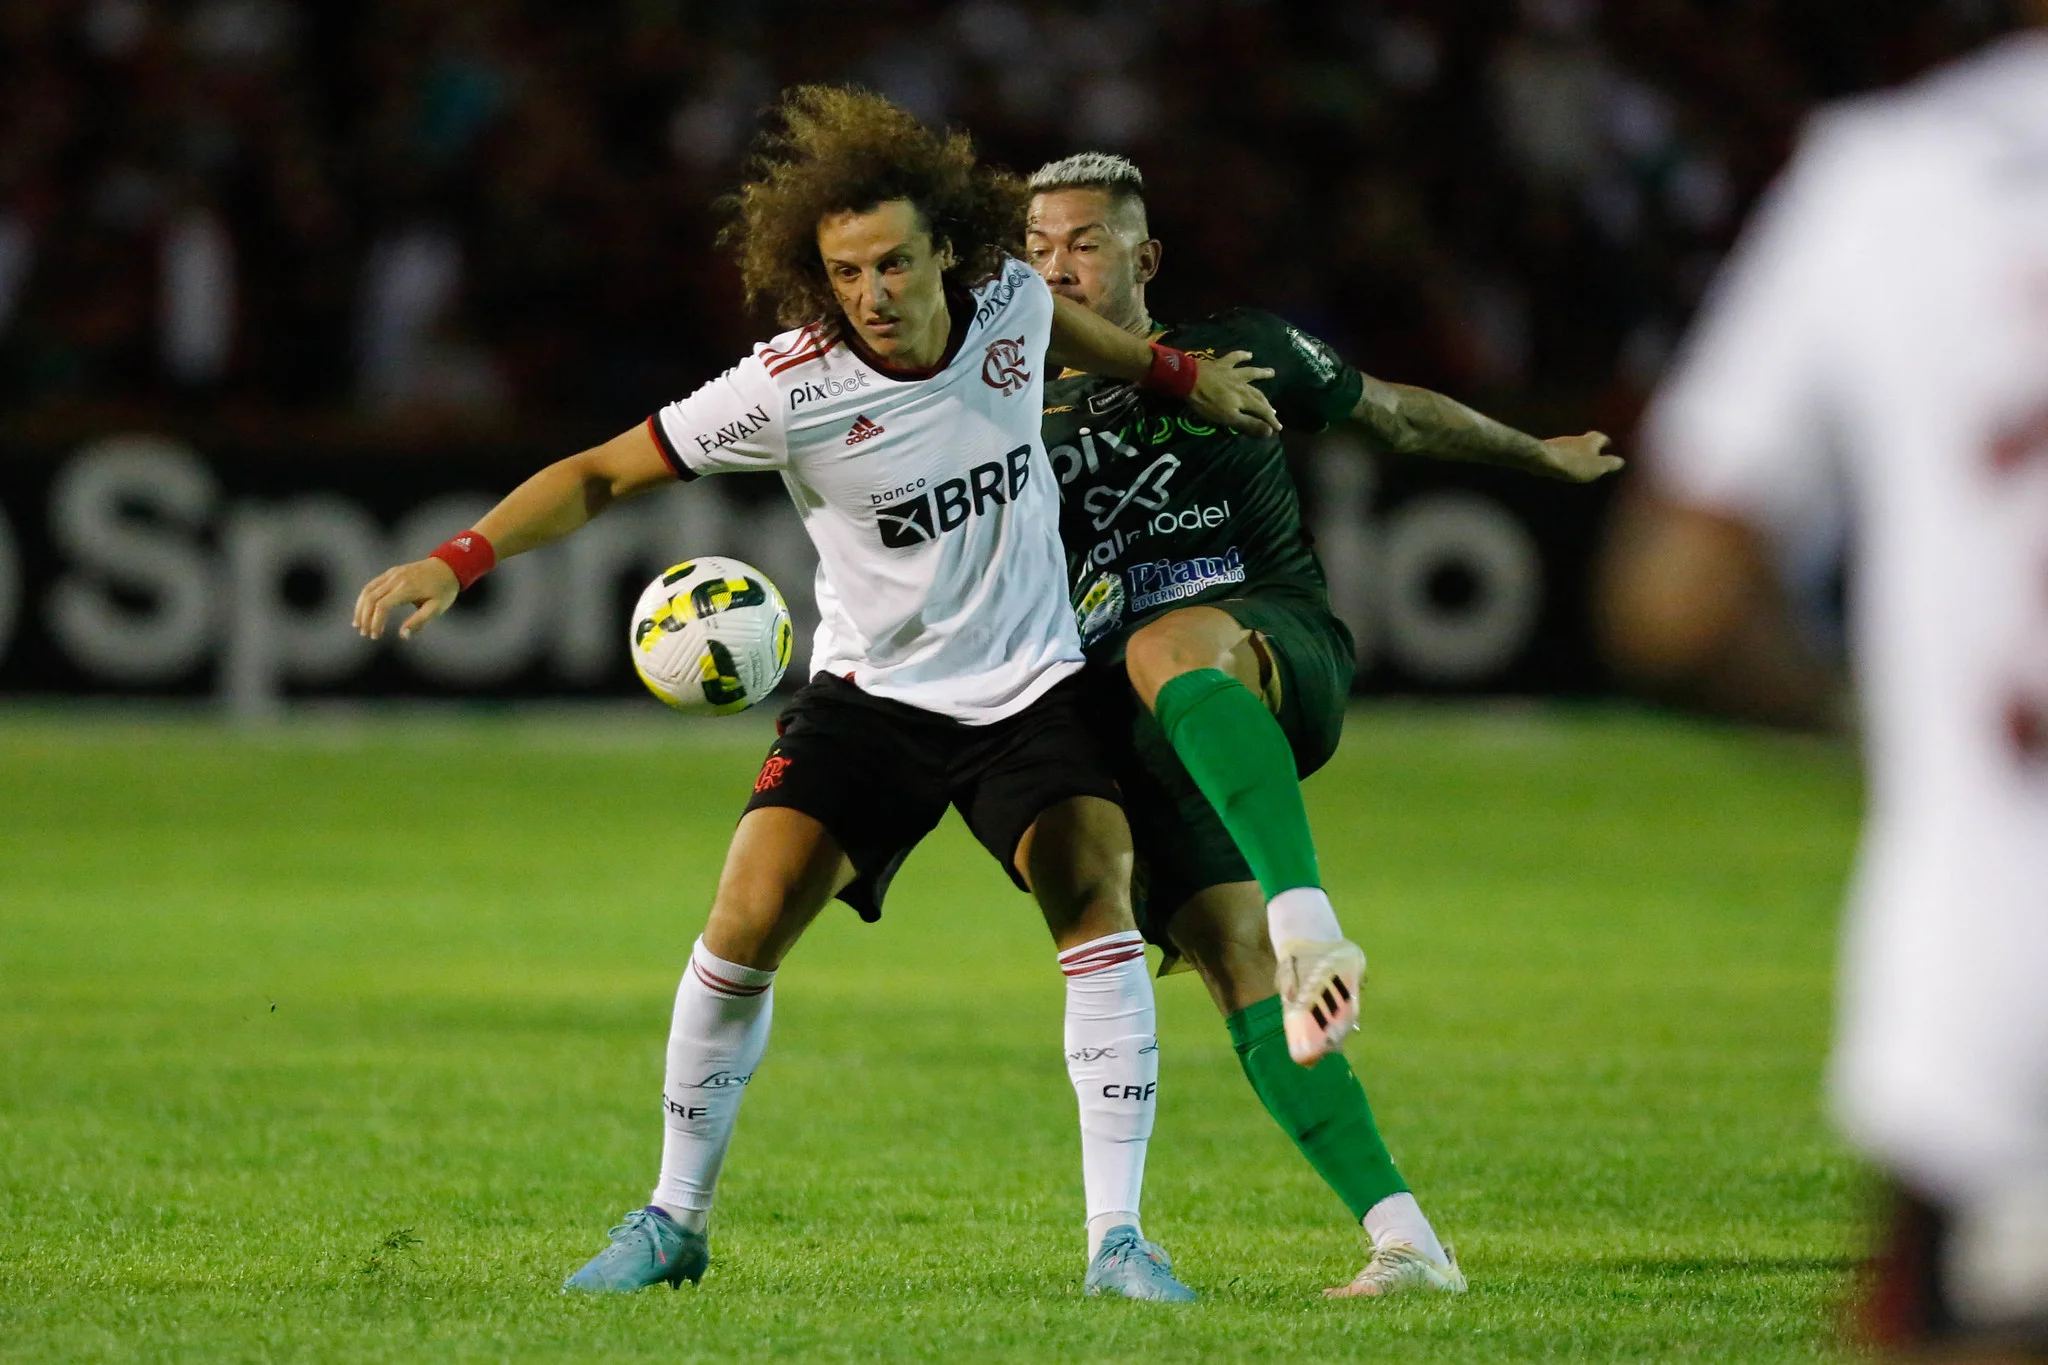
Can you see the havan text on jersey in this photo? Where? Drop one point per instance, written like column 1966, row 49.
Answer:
column 739, row 429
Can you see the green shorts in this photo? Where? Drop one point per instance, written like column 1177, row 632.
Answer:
column 1181, row 845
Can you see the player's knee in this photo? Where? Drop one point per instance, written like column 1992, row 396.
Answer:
column 1077, row 860
column 1087, row 904
column 749, row 895
column 1076, row 847
column 743, row 924
column 757, row 913
column 1182, row 642
column 1158, row 653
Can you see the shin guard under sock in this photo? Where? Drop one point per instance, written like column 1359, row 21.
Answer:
column 1323, row 1108
column 715, row 1040
column 1112, row 1043
column 1235, row 751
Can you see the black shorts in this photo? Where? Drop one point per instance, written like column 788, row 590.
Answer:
column 879, row 774
column 1182, row 846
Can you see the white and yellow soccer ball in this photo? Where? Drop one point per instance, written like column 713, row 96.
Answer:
column 711, row 636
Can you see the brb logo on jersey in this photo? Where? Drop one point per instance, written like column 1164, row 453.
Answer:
column 931, row 513
column 1004, row 368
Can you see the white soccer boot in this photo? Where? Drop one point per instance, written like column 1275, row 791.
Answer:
column 1398, row 1268
column 1318, row 985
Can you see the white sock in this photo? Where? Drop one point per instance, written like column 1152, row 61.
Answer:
column 1302, row 913
column 715, row 1040
column 1112, row 1038
column 1399, row 1218
column 1100, row 1224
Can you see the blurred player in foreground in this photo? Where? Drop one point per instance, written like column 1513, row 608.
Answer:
column 1220, row 674
column 1881, row 336
column 902, row 413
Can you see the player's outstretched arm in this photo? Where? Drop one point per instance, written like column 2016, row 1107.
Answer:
column 1412, row 421
column 546, row 507
column 1223, row 391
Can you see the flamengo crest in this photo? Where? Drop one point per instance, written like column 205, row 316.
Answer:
column 1003, row 368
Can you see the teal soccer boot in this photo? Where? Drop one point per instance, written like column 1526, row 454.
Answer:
column 649, row 1247
column 1129, row 1267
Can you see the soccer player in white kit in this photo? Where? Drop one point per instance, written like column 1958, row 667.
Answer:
column 902, row 413
column 1879, row 347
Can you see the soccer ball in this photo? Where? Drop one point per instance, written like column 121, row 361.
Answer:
column 711, row 636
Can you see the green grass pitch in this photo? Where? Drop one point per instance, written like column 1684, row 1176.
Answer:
column 345, row 1043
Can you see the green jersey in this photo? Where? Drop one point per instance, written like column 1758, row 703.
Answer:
column 1159, row 511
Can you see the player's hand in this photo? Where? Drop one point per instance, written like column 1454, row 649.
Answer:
column 428, row 584
column 1581, row 459
column 1224, row 394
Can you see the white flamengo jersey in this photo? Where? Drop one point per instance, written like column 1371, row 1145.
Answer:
column 1881, row 339
column 941, row 582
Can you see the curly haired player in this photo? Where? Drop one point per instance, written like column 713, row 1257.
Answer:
column 901, row 411
column 1220, row 672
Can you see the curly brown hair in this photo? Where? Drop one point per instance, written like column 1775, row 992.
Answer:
column 838, row 149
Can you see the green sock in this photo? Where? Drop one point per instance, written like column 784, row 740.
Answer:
column 1233, row 748
column 1323, row 1108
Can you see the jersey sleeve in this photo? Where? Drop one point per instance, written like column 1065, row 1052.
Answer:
column 1311, row 385
column 1039, row 295
column 1742, row 423
column 733, row 423
column 1015, row 297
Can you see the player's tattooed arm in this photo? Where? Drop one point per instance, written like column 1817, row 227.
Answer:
column 1224, row 392
column 546, row 507
column 1412, row 421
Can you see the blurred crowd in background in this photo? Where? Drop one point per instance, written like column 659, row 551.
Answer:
column 482, row 214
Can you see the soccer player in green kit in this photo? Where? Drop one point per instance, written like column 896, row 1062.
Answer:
column 1221, row 673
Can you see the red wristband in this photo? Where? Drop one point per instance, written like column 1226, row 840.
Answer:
column 1172, row 372
column 469, row 554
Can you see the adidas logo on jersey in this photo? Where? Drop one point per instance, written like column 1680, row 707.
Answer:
column 862, row 429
